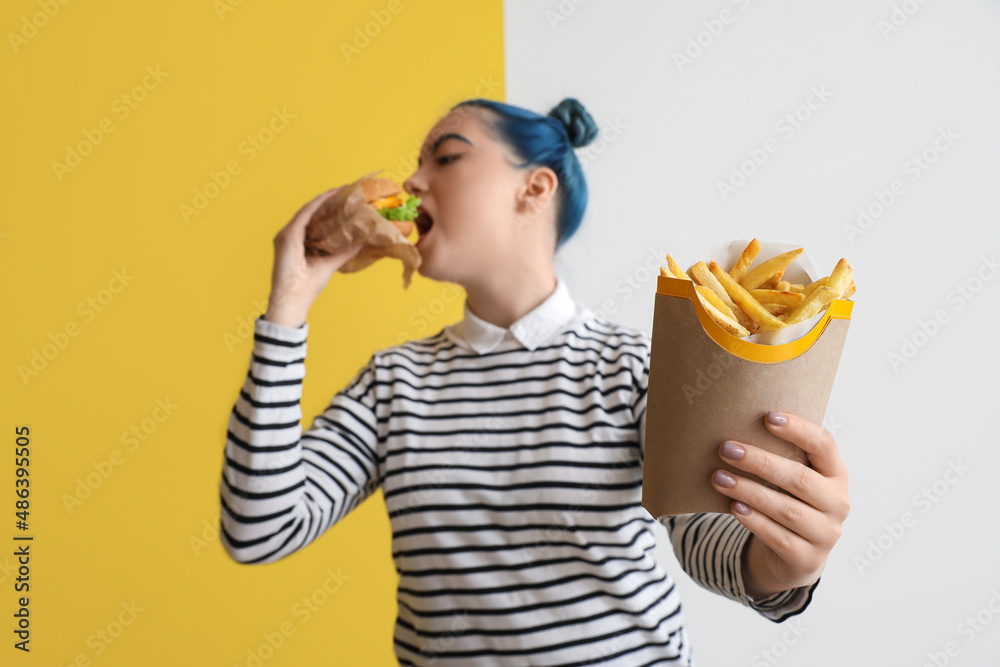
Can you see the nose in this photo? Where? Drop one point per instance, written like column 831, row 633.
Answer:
column 415, row 184
column 411, row 185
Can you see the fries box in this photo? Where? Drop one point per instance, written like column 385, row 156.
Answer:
column 707, row 385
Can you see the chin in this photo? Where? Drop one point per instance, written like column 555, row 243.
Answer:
column 434, row 268
column 427, row 270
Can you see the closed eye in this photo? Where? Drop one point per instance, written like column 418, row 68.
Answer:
column 445, row 159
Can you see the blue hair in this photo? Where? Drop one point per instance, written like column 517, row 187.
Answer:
column 548, row 141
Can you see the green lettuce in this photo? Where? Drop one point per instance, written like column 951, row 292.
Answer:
column 408, row 211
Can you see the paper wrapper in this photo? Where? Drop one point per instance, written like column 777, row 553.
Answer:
column 347, row 218
column 707, row 386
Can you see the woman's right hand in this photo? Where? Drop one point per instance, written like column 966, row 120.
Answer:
column 296, row 279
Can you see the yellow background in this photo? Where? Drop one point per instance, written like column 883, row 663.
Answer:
column 147, row 533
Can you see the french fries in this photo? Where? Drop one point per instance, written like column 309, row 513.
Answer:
column 817, row 301
column 756, row 276
column 726, row 322
column 751, row 306
column 745, row 260
column 708, row 297
column 704, row 277
column 750, row 299
column 777, row 296
column 676, row 269
column 711, row 297
column 775, row 308
column 840, row 277
column 773, row 281
column 808, row 289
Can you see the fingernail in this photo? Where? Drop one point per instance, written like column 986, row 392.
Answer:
column 740, row 508
column 723, row 478
column 732, row 451
column 777, row 418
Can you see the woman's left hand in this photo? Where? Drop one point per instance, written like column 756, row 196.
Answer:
column 792, row 534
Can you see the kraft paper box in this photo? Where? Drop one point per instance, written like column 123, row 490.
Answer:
column 707, row 386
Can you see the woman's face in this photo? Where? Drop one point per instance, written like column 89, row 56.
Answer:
column 470, row 187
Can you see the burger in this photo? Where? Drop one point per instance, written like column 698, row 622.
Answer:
column 374, row 211
column 392, row 202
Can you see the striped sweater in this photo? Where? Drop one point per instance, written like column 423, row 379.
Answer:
column 510, row 464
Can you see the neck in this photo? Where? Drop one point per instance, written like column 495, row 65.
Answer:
column 503, row 301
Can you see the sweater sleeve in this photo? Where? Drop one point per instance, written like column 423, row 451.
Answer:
column 709, row 547
column 639, row 399
column 282, row 487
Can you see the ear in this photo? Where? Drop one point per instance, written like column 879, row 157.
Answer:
column 540, row 185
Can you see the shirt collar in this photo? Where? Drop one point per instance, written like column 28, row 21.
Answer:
column 531, row 330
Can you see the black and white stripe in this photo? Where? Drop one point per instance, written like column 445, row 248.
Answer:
column 512, row 480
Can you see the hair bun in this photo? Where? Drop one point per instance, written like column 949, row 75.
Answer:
column 580, row 126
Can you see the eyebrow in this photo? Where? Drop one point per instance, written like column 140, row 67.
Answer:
column 441, row 140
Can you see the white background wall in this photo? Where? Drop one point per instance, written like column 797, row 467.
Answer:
column 671, row 133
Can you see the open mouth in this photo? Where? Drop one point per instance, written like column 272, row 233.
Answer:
column 423, row 221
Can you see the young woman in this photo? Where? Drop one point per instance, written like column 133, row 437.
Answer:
column 509, row 446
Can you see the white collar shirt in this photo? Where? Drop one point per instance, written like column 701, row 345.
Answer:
column 531, row 330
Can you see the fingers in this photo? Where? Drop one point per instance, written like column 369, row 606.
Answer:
column 310, row 206
column 796, row 479
column 798, row 518
column 798, row 557
column 814, row 440
column 295, row 229
column 307, row 210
